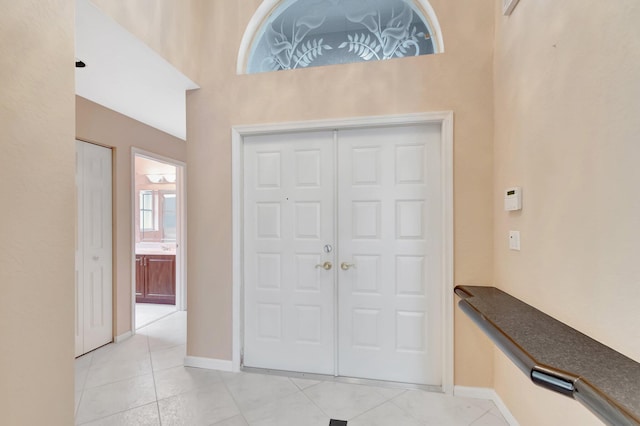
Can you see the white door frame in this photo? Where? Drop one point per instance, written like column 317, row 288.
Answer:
column 181, row 252
column 444, row 118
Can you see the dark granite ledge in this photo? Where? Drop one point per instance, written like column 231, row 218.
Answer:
column 556, row 356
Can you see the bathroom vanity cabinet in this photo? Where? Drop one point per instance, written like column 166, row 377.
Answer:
column 156, row 279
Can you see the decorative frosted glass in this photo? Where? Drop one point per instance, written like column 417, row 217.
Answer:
column 309, row 33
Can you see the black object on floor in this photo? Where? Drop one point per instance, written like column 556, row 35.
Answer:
column 335, row 422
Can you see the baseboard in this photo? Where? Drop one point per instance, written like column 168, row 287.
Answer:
column 487, row 393
column 121, row 338
column 208, row 363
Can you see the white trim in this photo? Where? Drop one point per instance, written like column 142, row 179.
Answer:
column 447, row 247
column 124, row 336
column 435, row 24
column 237, row 173
column 132, row 239
column 261, row 14
column 238, row 133
column 472, row 392
column 444, row 117
column 208, row 363
column 267, row 6
column 490, row 394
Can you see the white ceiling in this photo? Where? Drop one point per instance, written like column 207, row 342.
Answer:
column 126, row 75
column 147, row 166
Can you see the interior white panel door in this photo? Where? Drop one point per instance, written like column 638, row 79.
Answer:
column 79, row 261
column 289, row 213
column 389, row 242
column 94, row 284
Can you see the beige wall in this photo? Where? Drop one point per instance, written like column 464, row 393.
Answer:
column 37, row 189
column 103, row 126
column 459, row 80
column 170, row 27
column 567, row 93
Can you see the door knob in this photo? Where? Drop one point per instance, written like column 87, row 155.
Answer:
column 326, row 266
column 96, row 258
column 346, row 266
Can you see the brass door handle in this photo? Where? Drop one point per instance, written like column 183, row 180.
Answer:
column 346, row 266
column 326, row 266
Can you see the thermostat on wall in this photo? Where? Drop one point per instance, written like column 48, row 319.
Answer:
column 513, row 199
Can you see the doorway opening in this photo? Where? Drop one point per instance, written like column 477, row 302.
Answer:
column 158, row 232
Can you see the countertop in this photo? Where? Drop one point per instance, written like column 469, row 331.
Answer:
column 156, row 248
column 557, row 356
column 155, row 252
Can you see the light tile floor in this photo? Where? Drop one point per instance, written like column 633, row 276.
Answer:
column 146, row 313
column 142, row 381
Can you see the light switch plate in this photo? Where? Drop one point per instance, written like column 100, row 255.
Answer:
column 514, row 240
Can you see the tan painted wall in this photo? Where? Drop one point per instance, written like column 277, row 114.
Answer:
column 172, row 28
column 37, row 189
column 97, row 124
column 567, row 99
column 459, row 80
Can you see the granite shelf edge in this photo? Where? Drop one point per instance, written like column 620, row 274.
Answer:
column 550, row 377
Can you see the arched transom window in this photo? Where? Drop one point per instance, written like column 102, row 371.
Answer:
column 306, row 33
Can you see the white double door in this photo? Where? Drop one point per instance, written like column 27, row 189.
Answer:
column 342, row 253
column 94, row 284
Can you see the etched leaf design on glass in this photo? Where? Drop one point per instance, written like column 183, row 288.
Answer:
column 304, row 33
column 362, row 45
column 397, row 31
column 308, row 52
column 289, row 54
column 362, row 12
column 395, row 40
column 279, row 46
column 307, row 23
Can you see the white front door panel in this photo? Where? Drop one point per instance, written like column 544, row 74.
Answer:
column 389, row 231
column 387, row 307
column 288, row 219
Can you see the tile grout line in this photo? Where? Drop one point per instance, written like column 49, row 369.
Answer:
column 92, row 364
column 153, row 377
column 118, row 381
column 224, row 382
column 409, row 413
column 84, row 384
column 377, row 406
column 481, row 416
column 312, row 401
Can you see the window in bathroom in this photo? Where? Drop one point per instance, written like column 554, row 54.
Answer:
column 169, row 216
column 148, row 212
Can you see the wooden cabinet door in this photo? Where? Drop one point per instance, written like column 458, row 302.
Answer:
column 160, row 279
